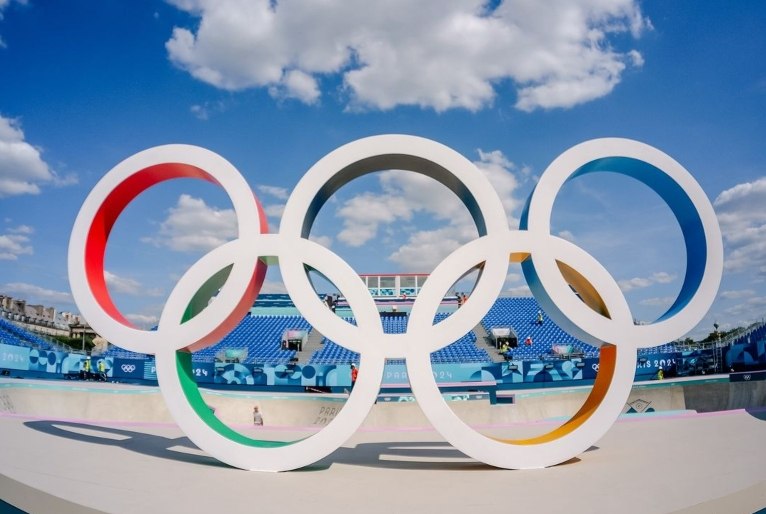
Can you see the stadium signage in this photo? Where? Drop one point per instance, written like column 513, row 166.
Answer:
column 234, row 273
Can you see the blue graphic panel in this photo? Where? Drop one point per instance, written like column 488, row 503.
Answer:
column 128, row 368
column 233, row 373
column 203, row 372
column 150, row 370
column 14, row 357
column 647, row 366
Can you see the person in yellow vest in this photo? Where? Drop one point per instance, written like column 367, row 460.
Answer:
column 102, row 370
column 660, row 374
column 86, row 369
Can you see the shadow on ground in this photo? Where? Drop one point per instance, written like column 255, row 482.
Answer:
column 427, row 456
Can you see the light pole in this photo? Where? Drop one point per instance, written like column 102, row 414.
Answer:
column 717, row 347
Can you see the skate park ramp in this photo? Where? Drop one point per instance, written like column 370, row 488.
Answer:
column 91, row 447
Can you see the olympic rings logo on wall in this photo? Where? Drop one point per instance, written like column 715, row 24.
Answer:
column 128, row 368
column 234, row 273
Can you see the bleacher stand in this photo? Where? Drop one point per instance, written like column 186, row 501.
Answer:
column 261, row 336
column 463, row 350
column 12, row 334
column 521, row 315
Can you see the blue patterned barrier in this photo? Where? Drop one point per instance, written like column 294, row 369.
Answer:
column 553, row 372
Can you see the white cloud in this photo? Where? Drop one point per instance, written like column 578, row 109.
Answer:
column 33, row 293
column 15, row 242
column 746, row 312
column 207, row 109
column 280, row 193
column 500, row 172
column 299, row 85
column 275, row 210
column 192, row 225
column 566, row 234
column 737, row 294
column 200, row 112
column 129, row 286
column 6, row 3
column 363, row 214
column 518, row 291
column 273, row 287
column 22, row 169
column 742, row 215
column 660, row 277
column 325, row 241
column 665, row 301
column 143, row 320
column 634, row 283
column 438, row 54
column 426, row 248
column 405, row 194
column 3, row 5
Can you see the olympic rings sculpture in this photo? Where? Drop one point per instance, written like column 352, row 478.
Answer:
column 233, row 273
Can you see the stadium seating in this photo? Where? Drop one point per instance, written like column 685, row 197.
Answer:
column 261, row 336
column 333, row 353
column 462, row 350
column 521, row 315
column 12, row 334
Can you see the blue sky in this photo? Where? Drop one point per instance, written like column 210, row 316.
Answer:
column 273, row 87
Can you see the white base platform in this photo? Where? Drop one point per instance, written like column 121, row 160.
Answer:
column 649, row 464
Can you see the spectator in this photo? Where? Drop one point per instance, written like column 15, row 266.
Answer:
column 539, row 320
column 528, row 341
column 354, row 374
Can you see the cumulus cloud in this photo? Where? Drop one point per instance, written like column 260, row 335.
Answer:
column 742, row 215
column 745, row 312
column 274, row 210
column 664, row 301
column 143, row 320
column 363, row 214
column 660, row 277
column 3, row 5
column 192, row 225
column 129, row 286
column 737, row 294
column 405, row 194
column 325, row 241
column 273, row 287
column 35, row 293
column 280, row 193
column 426, row 248
column 201, row 112
column 437, row 54
column 22, row 169
column 501, row 174
column 518, row 291
column 15, row 242
column 205, row 110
